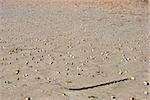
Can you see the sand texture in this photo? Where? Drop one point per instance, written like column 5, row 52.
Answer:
column 48, row 46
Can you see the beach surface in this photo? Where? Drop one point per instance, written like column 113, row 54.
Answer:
column 48, row 46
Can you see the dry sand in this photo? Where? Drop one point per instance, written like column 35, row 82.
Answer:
column 48, row 45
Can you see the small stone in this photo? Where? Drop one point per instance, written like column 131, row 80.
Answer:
column 17, row 72
column 67, row 73
column 68, row 82
column 18, row 78
column 36, row 70
column 8, row 82
column 67, row 69
column 66, row 63
column 146, row 92
column 64, row 94
column 27, row 62
column 47, row 78
column 120, row 72
column 92, row 97
column 113, row 97
column 102, row 53
column 25, row 75
column 16, row 58
column 92, row 50
column 131, row 78
column 131, row 98
column 28, row 98
column 146, row 83
column 79, row 74
column 37, row 78
column 58, row 72
column 125, row 71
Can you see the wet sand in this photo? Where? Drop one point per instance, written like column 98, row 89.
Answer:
column 47, row 47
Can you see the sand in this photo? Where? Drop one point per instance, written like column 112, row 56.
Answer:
column 47, row 46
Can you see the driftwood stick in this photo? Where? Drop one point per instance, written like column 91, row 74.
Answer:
column 102, row 84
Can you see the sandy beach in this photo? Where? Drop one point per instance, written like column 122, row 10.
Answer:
column 50, row 46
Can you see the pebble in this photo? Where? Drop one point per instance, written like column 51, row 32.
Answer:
column 120, row 72
column 131, row 78
column 146, row 83
column 64, row 94
column 102, row 53
column 67, row 69
column 146, row 92
column 8, row 82
column 58, row 72
column 17, row 72
column 25, row 75
column 28, row 98
column 36, row 70
column 131, row 98
column 47, row 78
column 27, row 62
column 94, row 97
column 113, row 97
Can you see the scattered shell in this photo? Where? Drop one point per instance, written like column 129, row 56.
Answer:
column 146, row 83
column 66, row 63
column 131, row 98
column 113, row 97
column 8, row 82
column 94, row 97
column 102, row 53
column 58, row 72
column 64, row 94
column 28, row 98
column 131, row 78
column 27, row 62
column 67, row 69
column 25, row 75
column 79, row 73
column 68, row 82
column 17, row 72
column 146, row 92
column 47, row 78
column 120, row 72
column 36, row 70
column 125, row 71
column 67, row 73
